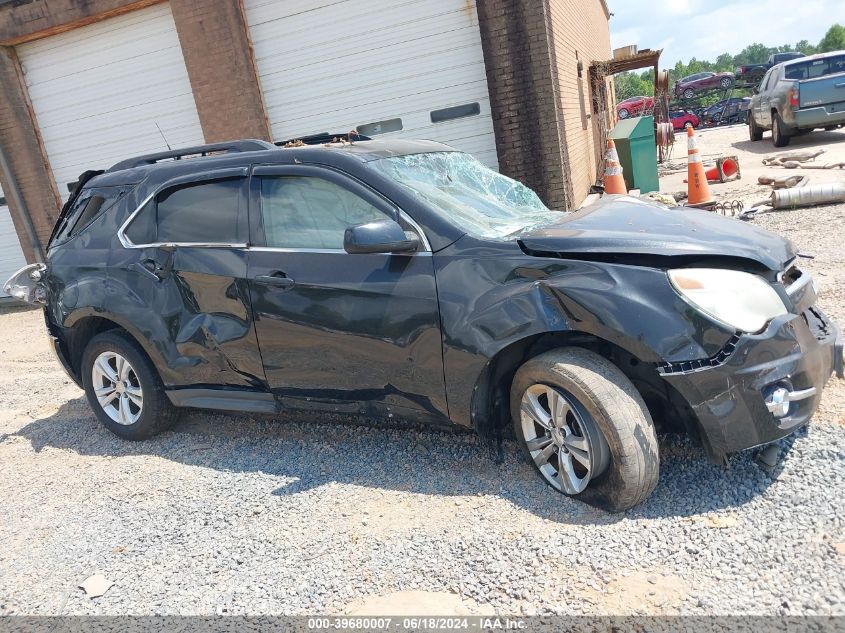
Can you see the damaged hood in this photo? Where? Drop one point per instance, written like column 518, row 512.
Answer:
column 629, row 226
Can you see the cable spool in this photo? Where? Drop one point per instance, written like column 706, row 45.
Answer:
column 662, row 82
column 665, row 134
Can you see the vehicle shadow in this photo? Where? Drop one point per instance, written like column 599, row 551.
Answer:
column 310, row 452
column 812, row 141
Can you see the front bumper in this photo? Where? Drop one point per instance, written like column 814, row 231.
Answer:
column 798, row 352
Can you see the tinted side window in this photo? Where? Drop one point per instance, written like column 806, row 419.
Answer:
column 88, row 206
column 204, row 212
column 309, row 212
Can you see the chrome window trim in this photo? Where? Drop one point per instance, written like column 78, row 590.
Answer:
column 199, row 177
column 326, row 251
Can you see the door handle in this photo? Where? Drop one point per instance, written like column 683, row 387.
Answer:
column 278, row 279
column 150, row 268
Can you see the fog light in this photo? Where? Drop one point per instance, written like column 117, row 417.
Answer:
column 777, row 402
column 779, row 399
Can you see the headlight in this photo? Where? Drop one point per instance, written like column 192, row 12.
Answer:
column 740, row 300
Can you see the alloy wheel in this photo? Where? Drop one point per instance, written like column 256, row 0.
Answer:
column 566, row 444
column 117, row 388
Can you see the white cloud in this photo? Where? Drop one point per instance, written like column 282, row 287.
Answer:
column 678, row 7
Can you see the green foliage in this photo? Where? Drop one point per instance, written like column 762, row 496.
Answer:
column 834, row 39
column 632, row 84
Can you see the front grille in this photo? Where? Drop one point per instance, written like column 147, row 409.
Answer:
column 688, row 366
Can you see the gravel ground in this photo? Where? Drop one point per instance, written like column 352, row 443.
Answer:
column 239, row 515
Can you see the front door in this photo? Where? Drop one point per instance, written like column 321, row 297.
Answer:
column 335, row 329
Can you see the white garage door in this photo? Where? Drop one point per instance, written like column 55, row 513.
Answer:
column 99, row 91
column 409, row 68
column 11, row 255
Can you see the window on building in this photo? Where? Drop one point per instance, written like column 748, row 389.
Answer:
column 309, row 212
column 205, row 213
column 455, row 112
column 380, row 127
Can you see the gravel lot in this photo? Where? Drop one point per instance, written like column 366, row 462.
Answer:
column 240, row 515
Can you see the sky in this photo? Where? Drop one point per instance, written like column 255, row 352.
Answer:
column 706, row 28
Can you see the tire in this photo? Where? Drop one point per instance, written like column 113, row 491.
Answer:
column 605, row 416
column 779, row 137
column 689, row 93
column 138, row 408
column 726, row 82
column 623, row 113
column 754, row 132
column 688, row 125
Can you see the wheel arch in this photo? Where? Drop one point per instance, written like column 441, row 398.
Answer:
column 84, row 324
column 490, row 409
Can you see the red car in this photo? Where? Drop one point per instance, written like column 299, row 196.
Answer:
column 683, row 119
column 634, row 106
column 688, row 86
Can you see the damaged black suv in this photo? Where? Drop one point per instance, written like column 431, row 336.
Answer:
column 400, row 278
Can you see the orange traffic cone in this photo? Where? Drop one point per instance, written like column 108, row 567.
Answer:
column 613, row 180
column 698, row 191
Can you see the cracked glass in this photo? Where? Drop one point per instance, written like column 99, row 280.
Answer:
column 481, row 201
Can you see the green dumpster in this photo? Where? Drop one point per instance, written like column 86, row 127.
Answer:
column 637, row 150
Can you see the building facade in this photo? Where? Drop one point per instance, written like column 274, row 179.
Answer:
column 87, row 83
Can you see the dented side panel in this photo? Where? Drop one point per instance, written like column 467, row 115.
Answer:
column 491, row 297
column 196, row 318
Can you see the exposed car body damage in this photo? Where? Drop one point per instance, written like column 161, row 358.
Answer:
column 436, row 334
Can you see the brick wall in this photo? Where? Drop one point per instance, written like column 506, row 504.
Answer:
column 24, row 151
column 580, row 32
column 546, row 134
column 218, row 55
column 526, row 120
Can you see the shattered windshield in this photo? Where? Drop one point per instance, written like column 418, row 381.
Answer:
column 476, row 198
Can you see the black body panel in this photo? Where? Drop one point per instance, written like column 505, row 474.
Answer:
column 255, row 328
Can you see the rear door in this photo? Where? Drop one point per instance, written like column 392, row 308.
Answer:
column 337, row 330
column 181, row 279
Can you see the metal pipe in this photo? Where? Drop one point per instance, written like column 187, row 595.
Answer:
column 15, row 192
column 808, row 196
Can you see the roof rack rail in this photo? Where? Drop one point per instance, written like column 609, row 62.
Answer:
column 323, row 137
column 245, row 145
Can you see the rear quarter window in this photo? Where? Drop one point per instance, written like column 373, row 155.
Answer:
column 88, row 206
column 813, row 68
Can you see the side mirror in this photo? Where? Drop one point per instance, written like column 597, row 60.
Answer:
column 381, row 236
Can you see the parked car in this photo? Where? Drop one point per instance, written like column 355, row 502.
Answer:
column 799, row 96
column 688, row 86
column 751, row 74
column 682, row 119
column 404, row 278
column 634, row 106
column 727, row 111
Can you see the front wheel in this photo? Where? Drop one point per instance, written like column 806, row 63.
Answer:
column 123, row 388
column 688, row 125
column 623, row 113
column 585, row 428
column 726, row 82
column 689, row 93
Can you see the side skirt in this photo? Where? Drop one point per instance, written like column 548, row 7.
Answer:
column 223, row 400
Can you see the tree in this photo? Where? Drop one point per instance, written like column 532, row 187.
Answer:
column 834, row 39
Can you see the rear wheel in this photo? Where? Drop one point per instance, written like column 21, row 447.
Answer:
column 754, row 131
column 585, row 428
column 726, row 82
column 779, row 136
column 123, row 388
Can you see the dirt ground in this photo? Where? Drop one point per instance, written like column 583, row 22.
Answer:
column 733, row 141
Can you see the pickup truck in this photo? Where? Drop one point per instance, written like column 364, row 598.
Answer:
column 799, row 96
column 753, row 73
